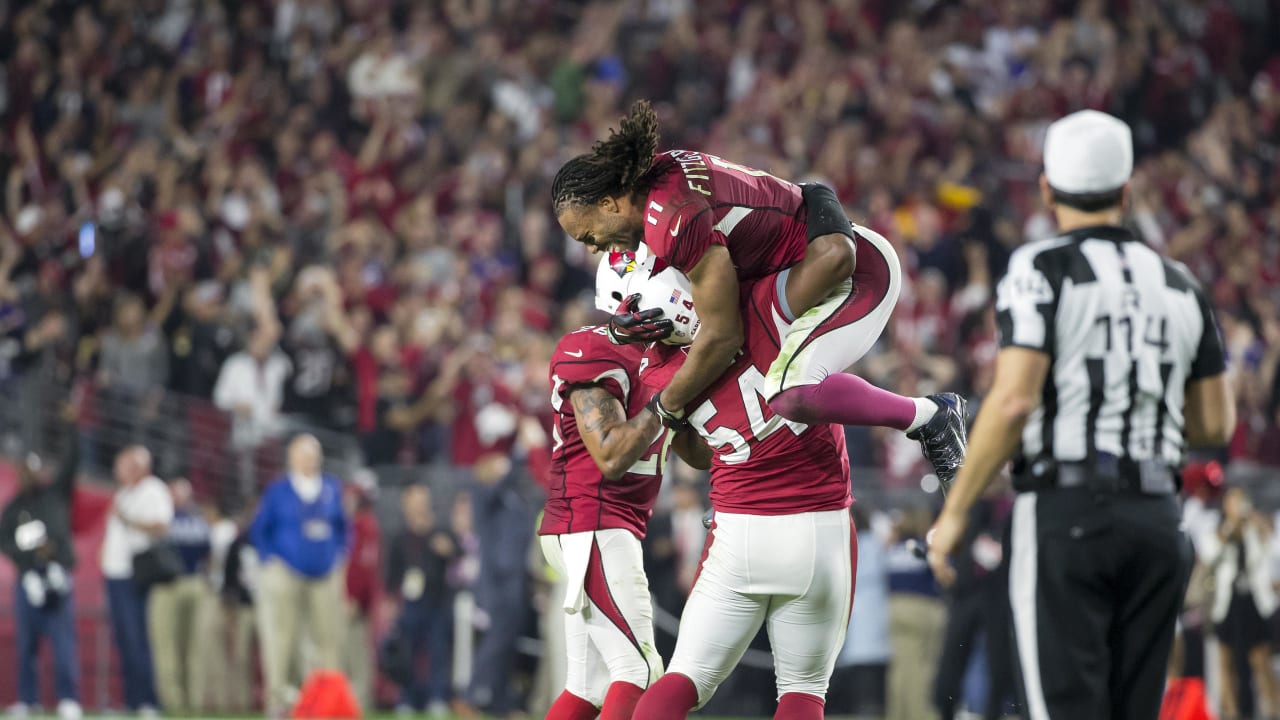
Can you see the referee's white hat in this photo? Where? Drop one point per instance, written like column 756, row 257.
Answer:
column 1088, row 152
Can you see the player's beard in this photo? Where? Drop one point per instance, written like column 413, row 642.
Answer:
column 627, row 236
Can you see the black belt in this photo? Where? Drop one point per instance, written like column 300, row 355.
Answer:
column 1107, row 474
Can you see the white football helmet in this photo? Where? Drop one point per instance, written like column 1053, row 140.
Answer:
column 614, row 272
column 663, row 286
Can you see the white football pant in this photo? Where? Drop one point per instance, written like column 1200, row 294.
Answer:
column 793, row 573
column 837, row 332
column 608, row 621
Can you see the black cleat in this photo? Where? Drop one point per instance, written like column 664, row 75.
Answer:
column 943, row 439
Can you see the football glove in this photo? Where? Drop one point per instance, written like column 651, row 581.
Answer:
column 633, row 325
column 674, row 420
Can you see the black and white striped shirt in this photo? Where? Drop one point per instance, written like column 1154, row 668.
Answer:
column 1126, row 329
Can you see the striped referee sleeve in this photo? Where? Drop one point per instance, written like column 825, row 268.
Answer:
column 1026, row 302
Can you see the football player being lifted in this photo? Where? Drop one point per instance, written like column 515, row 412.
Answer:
column 724, row 225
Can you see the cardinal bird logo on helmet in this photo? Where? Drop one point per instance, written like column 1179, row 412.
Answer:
column 622, row 262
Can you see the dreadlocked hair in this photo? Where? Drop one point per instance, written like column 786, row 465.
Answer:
column 615, row 166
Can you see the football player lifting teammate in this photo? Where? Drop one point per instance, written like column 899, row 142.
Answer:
column 781, row 551
column 724, row 224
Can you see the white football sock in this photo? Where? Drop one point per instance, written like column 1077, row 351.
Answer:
column 925, row 410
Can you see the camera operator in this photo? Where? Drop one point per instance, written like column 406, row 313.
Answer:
column 35, row 533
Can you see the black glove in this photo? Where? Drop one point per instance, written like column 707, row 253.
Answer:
column 633, row 325
column 674, row 420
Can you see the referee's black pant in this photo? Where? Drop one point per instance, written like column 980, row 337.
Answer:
column 1095, row 583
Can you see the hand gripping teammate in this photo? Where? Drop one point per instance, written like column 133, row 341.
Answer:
column 781, row 551
column 724, row 224
column 605, row 473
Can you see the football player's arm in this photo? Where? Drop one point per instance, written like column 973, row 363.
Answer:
column 692, row 449
column 1015, row 393
column 715, row 290
column 615, row 442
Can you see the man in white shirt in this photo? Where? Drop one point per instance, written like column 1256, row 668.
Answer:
column 251, row 387
column 140, row 514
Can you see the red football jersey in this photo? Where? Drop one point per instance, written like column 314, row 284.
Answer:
column 700, row 200
column 580, row 498
column 764, row 464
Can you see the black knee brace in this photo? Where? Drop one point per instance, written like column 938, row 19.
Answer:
column 826, row 214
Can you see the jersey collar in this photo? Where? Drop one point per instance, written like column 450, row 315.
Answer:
column 1114, row 233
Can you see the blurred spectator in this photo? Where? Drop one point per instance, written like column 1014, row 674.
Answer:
column 237, row 626
column 977, row 608
column 141, row 513
column 384, row 372
column 1202, row 486
column 178, row 612
column 133, row 371
column 35, row 533
column 417, row 575
column 319, row 339
column 363, row 568
column 859, row 682
column 916, row 622
column 1244, row 601
column 504, row 522
column 200, row 339
column 302, row 535
column 250, row 384
column 688, row 533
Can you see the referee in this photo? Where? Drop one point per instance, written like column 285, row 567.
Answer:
column 1110, row 364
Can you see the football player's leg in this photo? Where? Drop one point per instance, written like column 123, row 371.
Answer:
column 828, row 261
column 804, row 383
column 621, row 620
column 586, row 676
column 808, row 383
column 716, row 627
column 807, row 631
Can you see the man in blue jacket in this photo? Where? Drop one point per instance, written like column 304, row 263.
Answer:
column 301, row 535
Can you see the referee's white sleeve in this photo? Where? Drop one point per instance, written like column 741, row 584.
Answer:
column 1025, row 303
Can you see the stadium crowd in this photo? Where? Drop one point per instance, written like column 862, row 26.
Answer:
column 333, row 215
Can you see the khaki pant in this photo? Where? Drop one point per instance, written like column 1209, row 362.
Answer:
column 292, row 607
column 230, row 666
column 916, row 625
column 357, row 660
column 178, row 622
column 549, row 680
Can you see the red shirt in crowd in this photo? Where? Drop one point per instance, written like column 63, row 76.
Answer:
column 470, row 396
column 364, row 562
